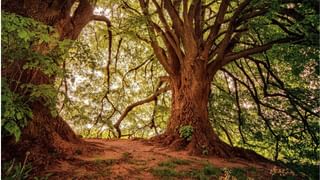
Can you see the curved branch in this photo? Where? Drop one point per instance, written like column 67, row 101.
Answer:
column 138, row 103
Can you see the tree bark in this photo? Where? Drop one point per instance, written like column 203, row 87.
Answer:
column 44, row 133
column 190, row 93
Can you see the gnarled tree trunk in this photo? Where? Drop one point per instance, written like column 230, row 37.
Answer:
column 44, row 133
column 190, row 92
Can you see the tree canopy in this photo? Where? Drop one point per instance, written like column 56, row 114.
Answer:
column 258, row 63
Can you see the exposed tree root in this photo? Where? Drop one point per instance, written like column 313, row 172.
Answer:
column 207, row 147
column 43, row 137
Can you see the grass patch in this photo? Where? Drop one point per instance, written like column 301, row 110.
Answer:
column 181, row 161
column 240, row 174
column 167, row 164
column 206, row 173
column 211, row 170
column 164, row 172
column 172, row 163
column 166, row 169
column 197, row 174
column 15, row 170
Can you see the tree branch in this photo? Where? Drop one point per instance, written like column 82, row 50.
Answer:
column 131, row 106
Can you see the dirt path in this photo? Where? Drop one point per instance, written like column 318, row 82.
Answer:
column 136, row 159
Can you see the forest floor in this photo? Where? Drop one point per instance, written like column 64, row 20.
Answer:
column 139, row 159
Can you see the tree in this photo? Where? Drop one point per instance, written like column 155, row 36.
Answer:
column 193, row 40
column 45, row 130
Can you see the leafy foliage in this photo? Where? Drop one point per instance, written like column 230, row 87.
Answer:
column 186, row 132
column 14, row 113
column 30, row 47
column 284, row 131
column 91, row 103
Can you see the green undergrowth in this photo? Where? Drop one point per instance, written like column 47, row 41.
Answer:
column 169, row 169
column 305, row 171
column 172, row 163
column 15, row 170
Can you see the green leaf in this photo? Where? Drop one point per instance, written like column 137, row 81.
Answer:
column 29, row 114
column 19, row 116
column 13, row 129
column 23, row 35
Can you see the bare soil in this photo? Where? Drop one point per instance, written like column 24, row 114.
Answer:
column 140, row 159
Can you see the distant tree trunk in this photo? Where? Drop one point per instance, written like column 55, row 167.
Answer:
column 44, row 132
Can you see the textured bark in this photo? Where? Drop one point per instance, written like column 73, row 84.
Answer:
column 55, row 13
column 44, row 133
column 190, row 93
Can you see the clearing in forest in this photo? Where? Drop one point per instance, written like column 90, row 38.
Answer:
column 139, row 159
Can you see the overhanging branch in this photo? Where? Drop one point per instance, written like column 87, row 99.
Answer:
column 138, row 103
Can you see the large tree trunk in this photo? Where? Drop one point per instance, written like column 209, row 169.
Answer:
column 44, row 134
column 190, row 93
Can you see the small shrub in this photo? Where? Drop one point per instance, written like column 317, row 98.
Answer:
column 186, row 132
